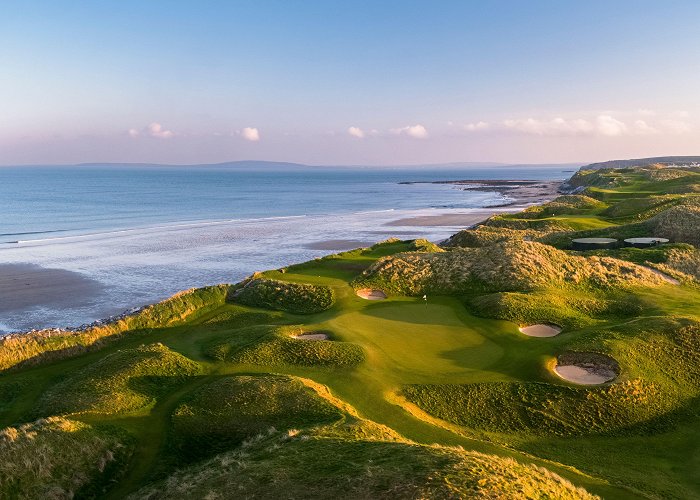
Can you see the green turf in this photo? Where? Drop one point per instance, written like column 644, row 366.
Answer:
column 210, row 370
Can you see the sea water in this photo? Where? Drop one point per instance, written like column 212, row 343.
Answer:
column 146, row 232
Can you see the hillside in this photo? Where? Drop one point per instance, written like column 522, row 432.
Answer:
column 501, row 364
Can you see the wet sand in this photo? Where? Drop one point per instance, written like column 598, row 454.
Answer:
column 25, row 286
column 520, row 193
column 339, row 244
column 458, row 220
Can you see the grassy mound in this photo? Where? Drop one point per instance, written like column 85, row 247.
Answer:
column 545, row 409
column 483, row 236
column 221, row 415
column 685, row 261
column 571, row 311
column 57, row 458
column 506, row 266
column 282, row 296
column 266, row 345
column 124, row 381
column 572, row 204
column 678, row 224
column 314, row 464
column 37, row 347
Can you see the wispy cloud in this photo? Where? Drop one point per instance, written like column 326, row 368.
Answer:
column 152, row 130
column 356, row 132
column 609, row 126
column 250, row 134
column 602, row 125
column 416, row 131
column 476, row 127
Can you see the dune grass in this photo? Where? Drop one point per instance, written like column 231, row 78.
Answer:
column 270, row 346
column 39, row 347
column 223, row 414
column 120, row 382
column 59, row 458
column 295, row 298
column 314, row 465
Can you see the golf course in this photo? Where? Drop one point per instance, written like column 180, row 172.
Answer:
column 500, row 363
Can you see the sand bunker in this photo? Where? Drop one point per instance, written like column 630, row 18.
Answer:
column 586, row 368
column 311, row 336
column 541, row 330
column 369, row 294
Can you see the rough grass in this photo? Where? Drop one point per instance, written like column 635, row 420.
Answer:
column 506, row 266
column 545, row 409
column 679, row 224
column 283, row 296
column 224, row 413
column 124, row 381
column 313, row 465
column 274, row 346
column 57, row 458
column 569, row 310
column 38, row 347
column 482, row 236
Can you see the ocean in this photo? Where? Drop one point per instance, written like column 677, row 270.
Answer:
column 146, row 232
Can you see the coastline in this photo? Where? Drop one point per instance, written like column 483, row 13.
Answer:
column 78, row 295
column 519, row 193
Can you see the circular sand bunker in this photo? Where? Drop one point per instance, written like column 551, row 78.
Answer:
column 311, row 336
column 370, row 294
column 541, row 330
column 586, row 368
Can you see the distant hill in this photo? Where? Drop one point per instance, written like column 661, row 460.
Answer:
column 642, row 162
column 271, row 165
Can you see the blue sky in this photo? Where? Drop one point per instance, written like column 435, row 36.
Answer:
column 348, row 82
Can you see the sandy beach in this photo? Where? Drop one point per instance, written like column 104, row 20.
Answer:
column 24, row 287
column 521, row 193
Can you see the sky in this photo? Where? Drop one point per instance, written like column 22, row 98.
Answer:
column 338, row 82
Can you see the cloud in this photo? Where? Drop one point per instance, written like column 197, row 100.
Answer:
column 643, row 128
column 476, row 127
column 356, row 132
column 251, row 134
column 156, row 130
column 676, row 126
column 415, row 131
column 646, row 112
column 153, row 130
column 555, row 126
column 609, row 126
